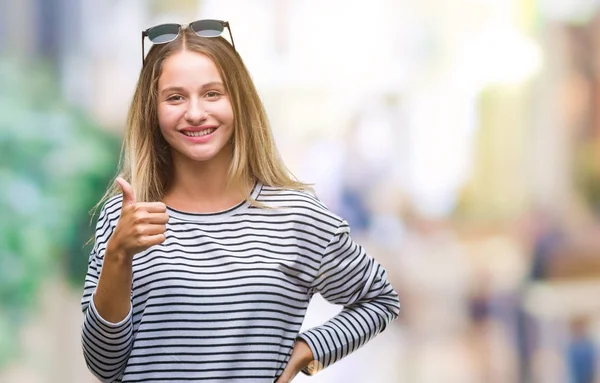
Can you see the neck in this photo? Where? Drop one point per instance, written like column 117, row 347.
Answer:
column 204, row 187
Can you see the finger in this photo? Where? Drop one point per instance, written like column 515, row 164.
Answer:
column 142, row 217
column 150, row 230
column 157, row 239
column 128, row 197
column 158, row 218
column 152, row 207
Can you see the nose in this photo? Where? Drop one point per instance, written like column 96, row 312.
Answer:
column 195, row 113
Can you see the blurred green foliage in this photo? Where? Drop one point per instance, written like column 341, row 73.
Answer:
column 55, row 163
column 587, row 173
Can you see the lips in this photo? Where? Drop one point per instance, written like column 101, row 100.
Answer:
column 199, row 133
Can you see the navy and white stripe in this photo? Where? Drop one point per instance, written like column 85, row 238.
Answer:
column 224, row 297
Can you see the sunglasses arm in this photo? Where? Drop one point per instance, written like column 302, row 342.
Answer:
column 230, row 36
column 143, row 35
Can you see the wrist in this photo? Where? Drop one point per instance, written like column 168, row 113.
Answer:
column 304, row 354
column 116, row 255
column 308, row 361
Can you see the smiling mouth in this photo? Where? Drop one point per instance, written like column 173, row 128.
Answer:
column 200, row 133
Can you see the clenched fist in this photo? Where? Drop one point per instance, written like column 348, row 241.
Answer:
column 141, row 226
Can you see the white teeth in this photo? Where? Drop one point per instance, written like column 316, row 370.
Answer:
column 200, row 133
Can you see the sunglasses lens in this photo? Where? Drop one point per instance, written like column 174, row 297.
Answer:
column 207, row 28
column 164, row 33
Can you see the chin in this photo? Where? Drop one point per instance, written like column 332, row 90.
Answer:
column 202, row 157
column 201, row 154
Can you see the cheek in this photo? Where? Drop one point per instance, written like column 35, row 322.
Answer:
column 226, row 113
column 167, row 117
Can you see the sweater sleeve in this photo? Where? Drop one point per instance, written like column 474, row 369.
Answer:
column 349, row 277
column 106, row 345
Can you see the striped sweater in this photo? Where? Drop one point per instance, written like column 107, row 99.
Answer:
column 224, row 297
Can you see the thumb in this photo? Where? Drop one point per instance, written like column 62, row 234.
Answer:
column 128, row 198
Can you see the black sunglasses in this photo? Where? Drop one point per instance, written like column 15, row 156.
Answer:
column 165, row 33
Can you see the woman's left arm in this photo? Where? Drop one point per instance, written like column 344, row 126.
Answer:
column 349, row 277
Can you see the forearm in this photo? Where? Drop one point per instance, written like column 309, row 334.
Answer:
column 345, row 333
column 106, row 345
column 107, row 335
column 359, row 321
column 113, row 293
column 301, row 355
column 300, row 359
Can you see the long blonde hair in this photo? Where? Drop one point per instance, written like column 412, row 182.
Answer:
column 145, row 160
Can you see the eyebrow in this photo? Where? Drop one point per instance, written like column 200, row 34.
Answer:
column 181, row 89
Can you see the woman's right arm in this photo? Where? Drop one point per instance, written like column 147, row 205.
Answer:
column 124, row 229
column 106, row 342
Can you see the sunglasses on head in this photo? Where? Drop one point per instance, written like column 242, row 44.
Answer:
column 165, row 33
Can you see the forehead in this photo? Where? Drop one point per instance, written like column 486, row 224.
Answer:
column 188, row 68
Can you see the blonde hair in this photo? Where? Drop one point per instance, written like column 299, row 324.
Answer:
column 145, row 160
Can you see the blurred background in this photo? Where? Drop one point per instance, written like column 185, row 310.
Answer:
column 458, row 137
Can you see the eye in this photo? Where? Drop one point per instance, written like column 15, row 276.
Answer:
column 213, row 94
column 175, row 97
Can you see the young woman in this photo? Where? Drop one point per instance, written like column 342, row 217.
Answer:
column 207, row 251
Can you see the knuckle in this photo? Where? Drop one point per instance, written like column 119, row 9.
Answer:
column 139, row 217
column 158, row 207
column 145, row 242
column 158, row 239
column 138, row 231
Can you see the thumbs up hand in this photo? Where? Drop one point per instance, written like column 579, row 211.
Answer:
column 141, row 225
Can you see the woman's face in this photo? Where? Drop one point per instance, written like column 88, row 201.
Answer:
column 194, row 111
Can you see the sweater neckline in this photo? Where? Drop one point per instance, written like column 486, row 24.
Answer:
column 218, row 215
